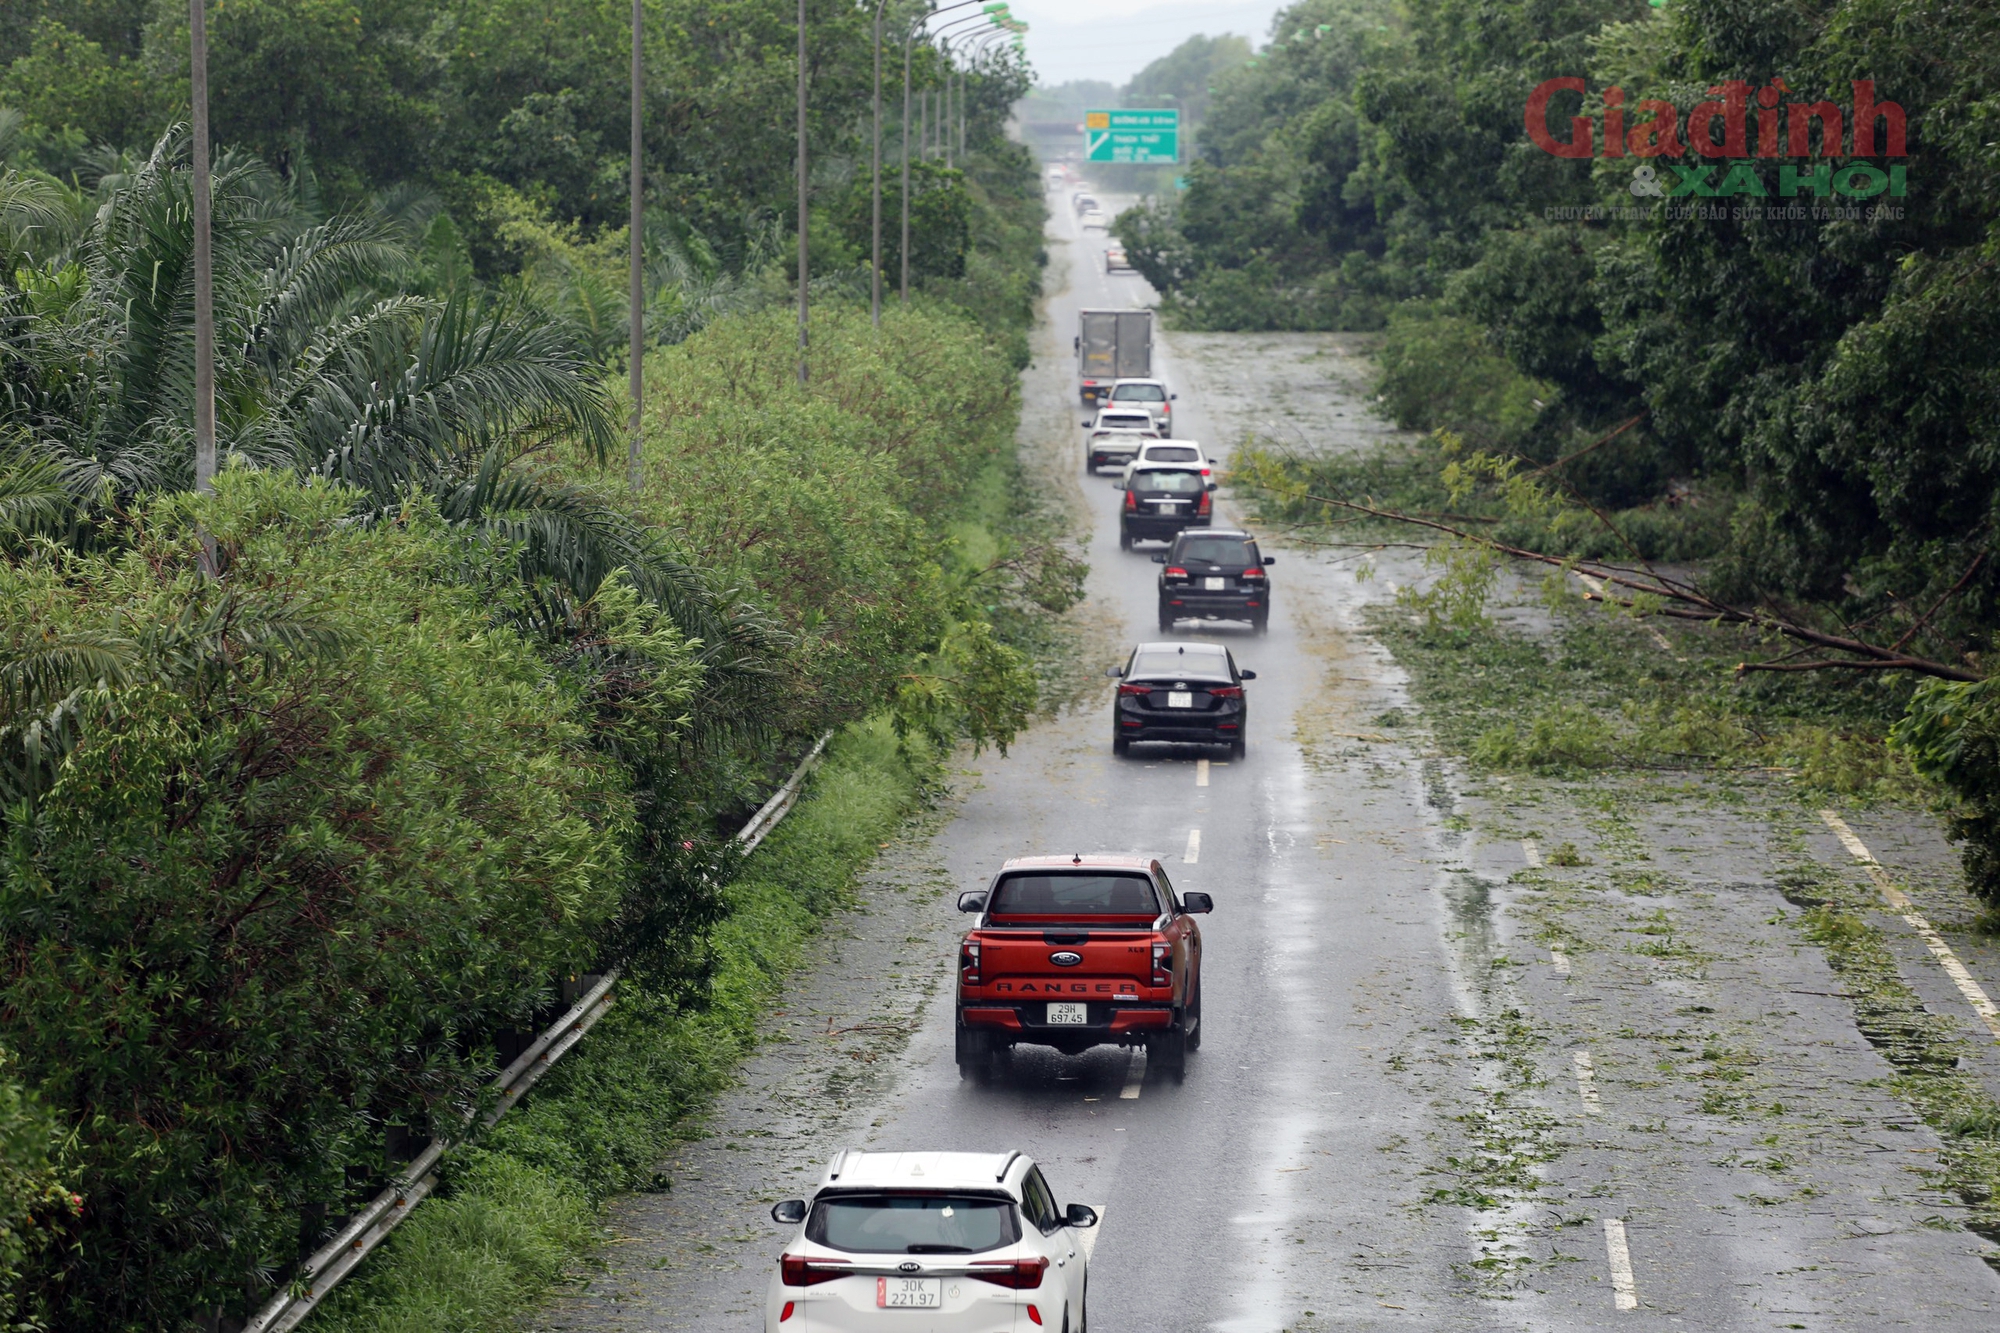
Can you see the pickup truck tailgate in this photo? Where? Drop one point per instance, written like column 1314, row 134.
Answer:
column 1058, row 962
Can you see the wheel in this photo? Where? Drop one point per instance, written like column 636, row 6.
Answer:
column 1167, row 621
column 1261, row 625
column 1120, row 746
column 1124, row 538
column 975, row 1055
column 1169, row 1051
column 1194, row 1019
column 1239, row 747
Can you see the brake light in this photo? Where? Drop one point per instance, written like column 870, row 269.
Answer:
column 968, row 958
column 1019, row 1274
column 1140, row 690
column 1035, row 1315
column 1131, row 499
column 1252, row 573
column 1204, row 506
column 1226, row 691
column 1163, row 963
column 1176, row 572
column 786, row 1313
column 796, row 1271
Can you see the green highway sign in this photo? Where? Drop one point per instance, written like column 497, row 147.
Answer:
column 1132, row 136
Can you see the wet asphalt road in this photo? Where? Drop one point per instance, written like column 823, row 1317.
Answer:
column 1359, row 1001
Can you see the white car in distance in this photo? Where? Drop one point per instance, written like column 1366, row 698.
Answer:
column 1176, row 453
column 1094, row 220
column 1149, row 395
column 973, row 1240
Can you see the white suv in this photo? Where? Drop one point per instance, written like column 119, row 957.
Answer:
column 1175, row 453
column 974, row 1239
column 1151, row 396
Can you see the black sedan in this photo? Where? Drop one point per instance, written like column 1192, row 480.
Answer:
column 1214, row 575
column 1162, row 500
column 1185, row 692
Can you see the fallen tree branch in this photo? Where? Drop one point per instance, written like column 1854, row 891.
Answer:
column 1692, row 603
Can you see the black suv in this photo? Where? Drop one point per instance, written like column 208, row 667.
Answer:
column 1214, row 575
column 1190, row 692
column 1162, row 499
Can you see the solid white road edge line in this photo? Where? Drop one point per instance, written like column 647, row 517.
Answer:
column 1624, row 1291
column 1135, row 1075
column 1193, row 852
column 1201, row 772
column 1531, row 854
column 1974, row 994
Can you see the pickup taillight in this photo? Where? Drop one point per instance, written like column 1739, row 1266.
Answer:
column 795, row 1271
column 1163, row 963
column 968, row 962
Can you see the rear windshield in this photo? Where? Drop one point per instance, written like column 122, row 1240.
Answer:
column 1138, row 393
column 1126, row 420
column 913, row 1223
column 1231, row 551
column 1173, row 453
column 1170, row 483
column 1129, row 894
column 1179, row 666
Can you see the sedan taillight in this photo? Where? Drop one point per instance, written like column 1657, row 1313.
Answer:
column 1226, row 691
column 797, row 1271
column 1139, row 691
column 1163, row 963
column 1019, row 1274
column 968, row 962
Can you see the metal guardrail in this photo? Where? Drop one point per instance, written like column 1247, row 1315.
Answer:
column 324, row 1269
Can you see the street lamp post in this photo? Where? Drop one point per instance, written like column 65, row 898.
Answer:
column 636, row 352
column 909, row 40
column 804, row 257
column 204, row 254
column 875, row 189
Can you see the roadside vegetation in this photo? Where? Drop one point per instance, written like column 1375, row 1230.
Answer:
column 313, row 790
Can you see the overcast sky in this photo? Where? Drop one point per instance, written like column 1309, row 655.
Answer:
column 1115, row 39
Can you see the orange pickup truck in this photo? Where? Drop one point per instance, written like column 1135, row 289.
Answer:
column 1080, row 951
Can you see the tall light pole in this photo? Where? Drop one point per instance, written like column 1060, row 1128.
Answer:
column 909, row 39
column 637, row 352
column 204, row 255
column 875, row 189
column 804, row 219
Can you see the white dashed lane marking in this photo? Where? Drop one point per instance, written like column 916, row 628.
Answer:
column 1135, row 1076
column 1624, row 1291
column 1531, row 854
column 1974, row 994
column 1586, row 1082
column 1201, row 772
column 1559, row 961
column 1193, row 852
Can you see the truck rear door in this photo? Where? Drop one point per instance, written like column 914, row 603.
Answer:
column 1135, row 345
column 1097, row 345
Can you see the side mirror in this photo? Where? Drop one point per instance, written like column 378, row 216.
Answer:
column 1080, row 1215
column 1116, row 673
column 1213, row 463
column 972, row 900
column 1084, row 424
column 790, row 1212
column 1174, row 396
column 1247, row 675
column 1159, row 557
column 1270, row 559
column 1197, row 902
column 1211, row 485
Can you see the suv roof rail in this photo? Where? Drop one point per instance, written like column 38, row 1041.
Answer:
column 840, row 1162
column 1007, row 1165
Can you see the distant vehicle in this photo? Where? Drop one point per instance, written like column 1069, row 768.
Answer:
column 1149, row 394
column 1216, row 574
column 1180, row 453
column 1094, row 220
column 1112, row 345
column 1080, row 951
column 977, row 1240
column 1115, row 260
column 1084, row 202
column 1113, row 446
column 1160, row 501
column 1186, row 692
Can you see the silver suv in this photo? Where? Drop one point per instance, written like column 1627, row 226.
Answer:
column 1148, row 395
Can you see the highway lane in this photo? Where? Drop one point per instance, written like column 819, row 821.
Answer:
column 1370, row 1136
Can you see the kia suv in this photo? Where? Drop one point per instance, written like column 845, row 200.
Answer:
column 1160, row 502
column 1214, row 575
column 943, row 1242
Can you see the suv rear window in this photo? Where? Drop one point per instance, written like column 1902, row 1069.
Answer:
column 1170, row 483
column 1124, row 421
column 1092, row 894
column 1173, row 453
column 1230, row 551
column 1138, row 393
column 913, row 1223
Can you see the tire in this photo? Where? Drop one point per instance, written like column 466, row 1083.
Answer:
column 1167, row 620
column 1124, row 538
column 1194, row 1013
column 975, row 1055
column 1261, row 626
column 1169, row 1051
column 1239, row 747
column 1120, row 746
